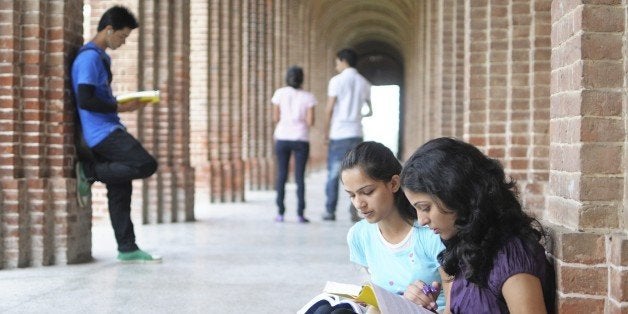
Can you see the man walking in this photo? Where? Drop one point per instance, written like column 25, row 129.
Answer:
column 347, row 93
column 118, row 157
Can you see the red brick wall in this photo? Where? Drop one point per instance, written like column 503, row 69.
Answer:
column 40, row 222
column 587, row 134
column 240, row 52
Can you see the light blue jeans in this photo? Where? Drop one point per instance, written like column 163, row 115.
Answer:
column 335, row 154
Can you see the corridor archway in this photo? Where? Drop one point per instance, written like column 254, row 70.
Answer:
column 383, row 66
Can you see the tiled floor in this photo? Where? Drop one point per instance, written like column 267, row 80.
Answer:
column 233, row 259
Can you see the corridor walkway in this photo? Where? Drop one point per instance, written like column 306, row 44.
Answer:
column 233, row 259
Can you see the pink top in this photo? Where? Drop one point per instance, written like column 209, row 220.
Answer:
column 293, row 105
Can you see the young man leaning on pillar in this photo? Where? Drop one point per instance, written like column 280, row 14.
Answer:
column 118, row 157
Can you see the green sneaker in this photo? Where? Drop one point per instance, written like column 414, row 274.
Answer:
column 138, row 256
column 83, row 186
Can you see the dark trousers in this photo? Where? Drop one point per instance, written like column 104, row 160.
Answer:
column 283, row 150
column 120, row 158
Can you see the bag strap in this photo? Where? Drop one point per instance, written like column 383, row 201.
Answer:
column 82, row 149
column 103, row 58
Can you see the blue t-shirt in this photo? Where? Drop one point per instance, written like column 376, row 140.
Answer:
column 88, row 68
column 395, row 268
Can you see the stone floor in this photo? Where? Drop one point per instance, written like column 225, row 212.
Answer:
column 233, row 259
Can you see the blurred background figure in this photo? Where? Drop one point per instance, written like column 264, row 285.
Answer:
column 293, row 111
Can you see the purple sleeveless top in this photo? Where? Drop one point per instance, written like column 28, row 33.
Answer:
column 511, row 259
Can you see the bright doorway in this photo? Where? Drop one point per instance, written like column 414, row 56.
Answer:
column 383, row 126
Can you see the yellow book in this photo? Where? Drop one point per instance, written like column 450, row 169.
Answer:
column 376, row 296
column 142, row 96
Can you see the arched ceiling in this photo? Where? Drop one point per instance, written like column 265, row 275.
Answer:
column 351, row 22
column 380, row 64
column 379, row 30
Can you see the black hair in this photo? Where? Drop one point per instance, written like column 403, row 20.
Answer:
column 380, row 164
column 348, row 55
column 294, row 76
column 118, row 17
column 466, row 182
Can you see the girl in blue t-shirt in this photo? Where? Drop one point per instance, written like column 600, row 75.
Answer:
column 388, row 243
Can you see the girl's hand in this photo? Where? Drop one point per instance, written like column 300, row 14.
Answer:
column 423, row 294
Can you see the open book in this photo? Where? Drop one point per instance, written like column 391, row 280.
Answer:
column 142, row 96
column 326, row 299
column 376, row 296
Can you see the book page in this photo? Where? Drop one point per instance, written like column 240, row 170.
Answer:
column 143, row 96
column 390, row 303
column 342, row 289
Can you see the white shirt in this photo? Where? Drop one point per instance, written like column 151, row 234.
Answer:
column 293, row 105
column 351, row 90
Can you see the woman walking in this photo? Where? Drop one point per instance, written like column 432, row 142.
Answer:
column 293, row 111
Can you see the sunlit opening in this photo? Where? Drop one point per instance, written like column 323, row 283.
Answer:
column 87, row 14
column 383, row 126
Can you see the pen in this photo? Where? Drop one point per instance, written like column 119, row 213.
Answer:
column 428, row 289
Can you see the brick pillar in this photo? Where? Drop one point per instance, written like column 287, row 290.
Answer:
column 537, row 120
column 262, row 81
column 40, row 222
column 448, row 38
column 459, row 81
column 426, row 106
column 499, row 78
column 476, row 73
column 452, row 44
column 226, row 172
column 199, row 101
column 416, row 96
column 587, row 134
column 243, row 67
column 435, row 61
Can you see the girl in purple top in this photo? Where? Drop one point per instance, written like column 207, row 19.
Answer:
column 492, row 250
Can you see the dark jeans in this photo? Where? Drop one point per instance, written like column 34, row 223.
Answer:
column 283, row 150
column 335, row 154
column 120, row 158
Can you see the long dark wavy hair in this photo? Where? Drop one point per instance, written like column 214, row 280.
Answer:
column 380, row 164
column 464, row 181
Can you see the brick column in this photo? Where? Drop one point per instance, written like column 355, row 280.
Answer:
column 537, row 139
column 410, row 92
column 448, row 38
column 226, row 172
column 499, row 77
column 476, row 73
column 452, row 44
column 459, row 87
column 244, row 64
column 199, row 113
column 587, row 134
column 425, row 111
column 264, row 71
column 40, row 222
column 433, row 121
